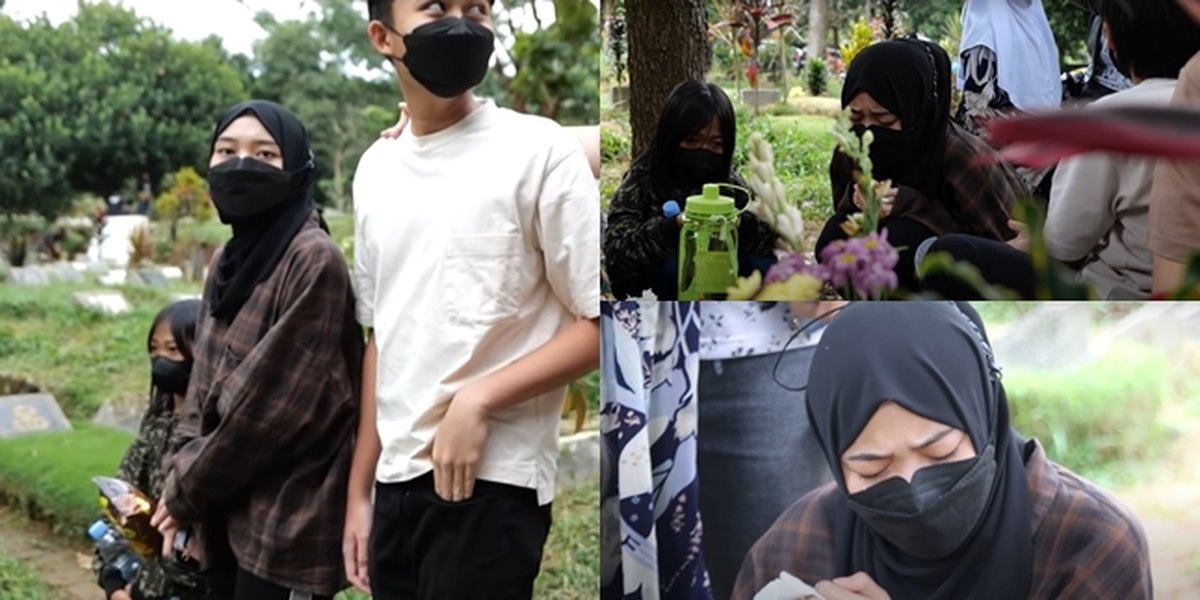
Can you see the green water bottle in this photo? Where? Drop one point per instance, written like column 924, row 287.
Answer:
column 708, row 247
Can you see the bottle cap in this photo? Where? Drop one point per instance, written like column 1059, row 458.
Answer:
column 671, row 209
column 97, row 530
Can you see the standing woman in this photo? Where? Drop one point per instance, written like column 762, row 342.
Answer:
column 169, row 344
column 263, row 451
column 944, row 180
column 694, row 144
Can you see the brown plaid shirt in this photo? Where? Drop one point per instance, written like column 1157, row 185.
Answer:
column 264, row 443
column 978, row 196
column 1085, row 544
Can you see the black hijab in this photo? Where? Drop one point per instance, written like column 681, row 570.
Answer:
column 932, row 359
column 259, row 242
column 910, row 78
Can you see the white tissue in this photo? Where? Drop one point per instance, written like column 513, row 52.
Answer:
column 787, row 587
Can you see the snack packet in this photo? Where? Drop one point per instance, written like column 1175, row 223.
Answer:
column 129, row 509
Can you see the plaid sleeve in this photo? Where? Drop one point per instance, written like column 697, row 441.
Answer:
column 984, row 191
column 799, row 542
column 638, row 237
column 271, row 395
column 1089, row 546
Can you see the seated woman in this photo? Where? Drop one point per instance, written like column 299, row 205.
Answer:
column 693, row 146
column 1098, row 216
column 169, row 344
column 942, row 181
column 935, row 496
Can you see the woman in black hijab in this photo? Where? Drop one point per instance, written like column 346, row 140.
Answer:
column 943, row 179
column 266, row 196
column 935, row 496
column 262, row 451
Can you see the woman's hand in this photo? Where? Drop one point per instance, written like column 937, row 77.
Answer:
column 1021, row 242
column 167, row 527
column 885, row 202
column 858, row 586
column 122, row 594
column 394, row 131
column 356, row 536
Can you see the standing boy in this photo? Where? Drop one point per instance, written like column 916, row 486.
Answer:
column 477, row 270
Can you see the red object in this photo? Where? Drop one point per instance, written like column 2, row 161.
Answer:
column 752, row 75
column 1043, row 139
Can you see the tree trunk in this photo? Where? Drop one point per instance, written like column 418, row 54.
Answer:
column 668, row 44
column 817, row 28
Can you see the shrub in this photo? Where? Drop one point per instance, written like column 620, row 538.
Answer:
column 1097, row 418
column 142, row 241
column 861, row 36
column 817, row 76
column 614, row 144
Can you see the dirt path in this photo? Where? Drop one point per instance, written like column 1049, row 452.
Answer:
column 60, row 562
column 1169, row 509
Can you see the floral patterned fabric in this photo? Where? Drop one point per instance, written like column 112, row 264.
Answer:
column 650, row 518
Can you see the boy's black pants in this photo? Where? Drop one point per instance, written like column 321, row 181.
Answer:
column 423, row 547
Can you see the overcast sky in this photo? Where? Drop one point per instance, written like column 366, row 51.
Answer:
column 195, row 20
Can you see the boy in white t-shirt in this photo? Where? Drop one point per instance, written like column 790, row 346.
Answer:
column 477, row 272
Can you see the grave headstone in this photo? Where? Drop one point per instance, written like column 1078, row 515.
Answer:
column 31, row 413
column 578, row 456
column 28, row 276
column 67, row 274
column 152, row 277
column 111, row 303
column 114, row 277
column 172, row 273
column 125, row 413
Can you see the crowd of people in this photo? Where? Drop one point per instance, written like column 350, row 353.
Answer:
column 392, row 424
column 951, row 190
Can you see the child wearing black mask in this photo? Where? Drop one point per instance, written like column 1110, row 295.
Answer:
column 169, row 343
column 476, row 268
column 694, row 145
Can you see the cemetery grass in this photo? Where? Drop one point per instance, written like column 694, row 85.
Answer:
column 48, row 476
column 18, row 581
column 79, row 355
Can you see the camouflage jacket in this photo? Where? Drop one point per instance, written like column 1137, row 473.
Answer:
column 142, row 467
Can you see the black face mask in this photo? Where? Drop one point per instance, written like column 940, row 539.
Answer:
column 699, row 165
column 245, row 187
column 448, row 56
column 932, row 516
column 890, row 151
column 170, row 376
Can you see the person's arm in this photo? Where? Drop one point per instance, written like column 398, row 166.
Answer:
column 639, row 237
column 588, row 136
column 458, row 445
column 1081, row 206
column 270, row 396
column 1167, row 276
column 566, row 231
column 357, row 534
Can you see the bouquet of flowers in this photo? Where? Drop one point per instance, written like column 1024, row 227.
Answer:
column 861, row 267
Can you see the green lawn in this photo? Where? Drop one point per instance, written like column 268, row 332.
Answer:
column 48, row 476
column 18, row 581
column 79, row 355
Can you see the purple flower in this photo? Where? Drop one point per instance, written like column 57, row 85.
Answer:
column 861, row 266
column 789, row 264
